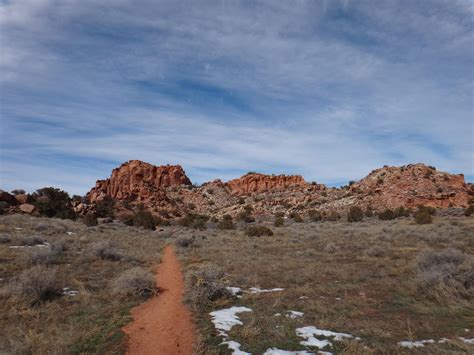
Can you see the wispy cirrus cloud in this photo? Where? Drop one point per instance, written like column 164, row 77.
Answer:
column 326, row 89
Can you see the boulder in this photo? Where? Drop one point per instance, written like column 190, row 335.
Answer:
column 27, row 208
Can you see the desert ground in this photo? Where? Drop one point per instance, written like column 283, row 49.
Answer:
column 353, row 288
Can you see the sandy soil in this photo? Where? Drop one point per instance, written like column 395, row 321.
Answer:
column 163, row 325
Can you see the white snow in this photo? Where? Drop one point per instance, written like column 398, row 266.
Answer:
column 277, row 315
column 224, row 320
column 42, row 245
column 311, row 334
column 69, row 233
column 303, row 297
column 275, row 351
column 69, row 292
column 234, row 290
column 415, row 344
column 261, row 290
column 294, row 314
column 235, row 347
column 467, row 341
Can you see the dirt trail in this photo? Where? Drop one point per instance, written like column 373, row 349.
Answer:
column 163, row 325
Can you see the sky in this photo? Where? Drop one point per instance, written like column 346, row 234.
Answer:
column 326, row 89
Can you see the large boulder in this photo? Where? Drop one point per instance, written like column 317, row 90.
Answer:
column 27, row 208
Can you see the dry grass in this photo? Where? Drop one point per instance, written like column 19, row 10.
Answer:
column 362, row 278
column 89, row 322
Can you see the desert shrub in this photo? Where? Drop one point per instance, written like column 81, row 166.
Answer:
column 205, row 286
column 127, row 219
column 36, row 284
column 369, row 212
column 258, row 231
column 330, row 248
column 280, row 214
column 196, row 221
column 214, row 219
column 226, row 222
column 162, row 222
column 355, row 214
column 90, row 220
column 134, row 282
column 315, row 215
column 184, row 242
column 401, row 212
column 469, row 211
column 105, row 251
column 4, row 239
column 423, row 217
column 446, row 273
column 246, row 215
column 3, row 207
column 18, row 192
column 144, row 219
column 42, row 256
column 59, row 246
column 31, row 240
column 296, row 217
column 41, row 227
column 375, row 251
column 333, row 216
column 386, row 215
column 241, row 201
column 52, row 202
column 105, row 208
column 429, row 210
column 279, row 222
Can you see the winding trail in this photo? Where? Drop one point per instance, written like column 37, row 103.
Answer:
column 163, row 325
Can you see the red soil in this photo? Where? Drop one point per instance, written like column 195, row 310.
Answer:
column 163, row 325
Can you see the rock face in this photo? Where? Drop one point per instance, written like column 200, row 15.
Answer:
column 258, row 183
column 412, row 185
column 138, row 180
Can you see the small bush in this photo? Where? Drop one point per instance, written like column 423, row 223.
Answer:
column 401, row 212
column 315, row 215
column 105, row 251
column 105, row 208
column 195, row 221
column 43, row 256
column 206, row 286
column 330, row 248
column 446, row 273
column 296, row 217
column 52, row 202
column 241, row 201
column 3, row 207
column 245, row 216
column 469, row 211
column 31, row 241
column 387, row 215
column 369, row 212
column 4, row 239
column 41, row 227
column 279, row 222
column 423, row 217
column 226, row 222
column 134, row 282
column 37, row 284
column 144, row 219
column 333, row 216
column 376, row 251
column 184, row 242
column 355, row 214
column 429, row 210
column 258, row 231
column 90, row 220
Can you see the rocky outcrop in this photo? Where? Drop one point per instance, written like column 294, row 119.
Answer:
column 27, row 208
column 139, row 180
column 410, row 186
column 259, row 183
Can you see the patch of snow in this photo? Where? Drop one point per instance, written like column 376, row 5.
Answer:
column 235, row 291
column 235, row 347
column 277, row 315
column 69, row 233
column 303, row 297
column 18, row 228
column 42, row 245
column 275, row 351
column 415, row 344
column 294, row 314
column 467, row 341
column 225, row 319
column 311, row 334
column 443, row 340
column 70, row 292
column 260, row 290
column 338, row 298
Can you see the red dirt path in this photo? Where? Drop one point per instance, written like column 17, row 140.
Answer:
column 163, row 325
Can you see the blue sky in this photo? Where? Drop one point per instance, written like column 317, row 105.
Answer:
column 326, row 89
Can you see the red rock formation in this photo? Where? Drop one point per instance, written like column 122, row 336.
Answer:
column 412, row 185
column 257, row 183
column 137, row 179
